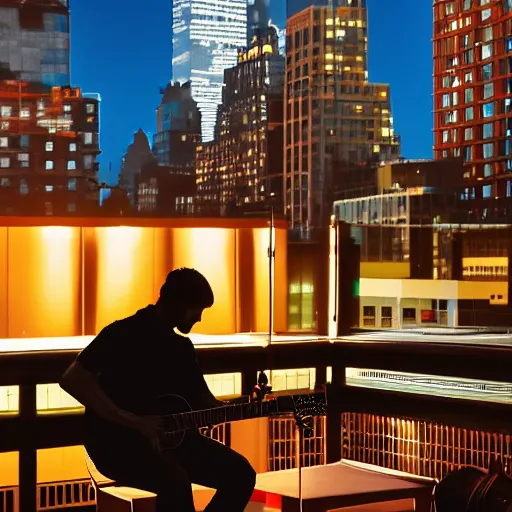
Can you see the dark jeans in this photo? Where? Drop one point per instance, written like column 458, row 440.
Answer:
column 169, row 475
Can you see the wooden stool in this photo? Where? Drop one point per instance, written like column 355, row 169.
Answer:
column 112, row 498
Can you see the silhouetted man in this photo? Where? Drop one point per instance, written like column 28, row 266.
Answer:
column 125, row 368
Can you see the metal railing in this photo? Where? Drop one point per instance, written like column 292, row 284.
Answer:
column 359, row 422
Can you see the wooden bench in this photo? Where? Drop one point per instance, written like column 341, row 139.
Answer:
column 345, row 485
column 113, row 498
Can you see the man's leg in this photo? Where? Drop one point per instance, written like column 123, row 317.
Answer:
column 147, row 470
column 214, row 465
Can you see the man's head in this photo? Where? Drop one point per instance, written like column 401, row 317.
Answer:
column 184, row 296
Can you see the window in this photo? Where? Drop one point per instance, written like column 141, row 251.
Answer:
column 486, row 14
column 466, row 5
column 488, row 150
column 409, row 315
column 487, row 34
column 469, row 114
column 72, row 184
column 486, row 51
column 71, row 207
column 72, row 147
column 488, row 130
column 24, row 141
column 6, row 111
column 468, row 95
column 486, row 191
column 183, row 138
column 67, row 108
column 48, row 188
column 446, row 100
column 488, row 109
column 450, row 8
column 368, row 316
column 49, row 165
column 88, row 138
column 468, row 77
column 446, row 136
column 25, row 113
column 24, row 159
column 89, row 108
column 468, row 153
column 487, row 170
column 49, row 146
column 488, row 90
column 386, row 317
column 468, row 134
column 487, row 72
column 5, row 163
column 71, row 165
column 4, row 142
column 88, row 160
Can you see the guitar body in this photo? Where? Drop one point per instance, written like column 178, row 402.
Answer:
column 168, row 406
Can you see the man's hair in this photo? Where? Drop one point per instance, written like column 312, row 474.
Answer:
column 187, row 287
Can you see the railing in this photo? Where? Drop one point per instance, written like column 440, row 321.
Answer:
column 357, row 416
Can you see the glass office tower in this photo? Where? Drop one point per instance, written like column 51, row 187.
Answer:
column 261, row 14
column 206, row 37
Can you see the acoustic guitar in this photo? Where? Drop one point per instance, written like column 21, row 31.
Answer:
column 178, row 416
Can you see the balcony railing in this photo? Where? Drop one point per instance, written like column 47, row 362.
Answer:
column 421, row 433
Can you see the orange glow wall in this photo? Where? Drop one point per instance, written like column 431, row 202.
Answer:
column 72, row 280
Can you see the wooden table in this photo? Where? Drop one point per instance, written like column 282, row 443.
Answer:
column 344, row 484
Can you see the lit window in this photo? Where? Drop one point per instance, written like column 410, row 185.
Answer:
column 488, row 109
column 446, row 100
column 88, row 138
column 67, row 108
column 488, row 131
column 49, row 188
column 71, row 165
column 486, row 14
column 72, row 147
column 49, row 165
column 89, row 108
column 6, row 111
column 450, row 8
column 4, row 142
column 5, row 163
column 468, row 134
column 329, row 34
column 25, row 113
column 446, row 136
column 486, row 51
column 183, row 138
column 488, row 90
column 487, row 191
column 49, row 146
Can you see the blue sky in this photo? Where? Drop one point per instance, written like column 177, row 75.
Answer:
column 121, row 49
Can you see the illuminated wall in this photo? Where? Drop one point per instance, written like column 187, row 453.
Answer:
column 74, row 280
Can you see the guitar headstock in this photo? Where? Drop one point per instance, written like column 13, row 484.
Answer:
column 311, row 404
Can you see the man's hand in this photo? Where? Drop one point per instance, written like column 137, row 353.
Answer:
column 151, row 427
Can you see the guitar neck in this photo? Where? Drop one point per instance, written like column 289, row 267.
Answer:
column 223, row 414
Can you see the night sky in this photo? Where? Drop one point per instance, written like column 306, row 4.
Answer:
column 122, row 50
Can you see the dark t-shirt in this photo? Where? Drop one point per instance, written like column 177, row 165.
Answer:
column 137, row 360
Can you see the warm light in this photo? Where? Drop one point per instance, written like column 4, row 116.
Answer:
column 333, row 280
column 211, row 251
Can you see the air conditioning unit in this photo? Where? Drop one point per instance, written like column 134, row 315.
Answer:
column 498, row 299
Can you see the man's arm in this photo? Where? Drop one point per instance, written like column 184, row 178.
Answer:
column 81, row 379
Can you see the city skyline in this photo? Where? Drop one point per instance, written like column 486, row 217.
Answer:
column 131, row 94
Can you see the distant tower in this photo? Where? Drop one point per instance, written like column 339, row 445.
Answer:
column 206, row 37
column 38, row 40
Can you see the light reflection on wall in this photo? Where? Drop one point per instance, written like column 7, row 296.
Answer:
column 212, row 252
column 60, row 281
column 43, row 282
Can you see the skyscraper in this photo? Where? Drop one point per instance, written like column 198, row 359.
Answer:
column 206, row 37
column 263, row 13
column 34, row 41
column 334, row 117
column 473, row 99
